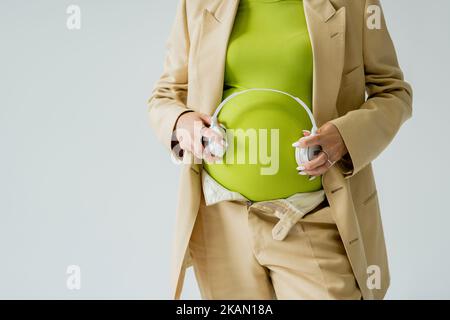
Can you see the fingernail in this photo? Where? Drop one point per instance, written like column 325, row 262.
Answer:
column 301, row 168
column 296, row 144
column 312, row 178
column 303, row 173
column 306, row 131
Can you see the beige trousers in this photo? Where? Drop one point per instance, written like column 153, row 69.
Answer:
column 235, row 256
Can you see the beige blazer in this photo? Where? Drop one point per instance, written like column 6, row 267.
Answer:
column 350, row 61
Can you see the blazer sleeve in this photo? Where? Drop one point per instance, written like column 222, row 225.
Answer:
column 367, row 131
column 168, row 99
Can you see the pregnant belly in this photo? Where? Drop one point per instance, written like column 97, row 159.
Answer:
column 260, row 161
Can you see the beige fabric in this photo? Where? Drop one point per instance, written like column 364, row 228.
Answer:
column 288, row 210
column 235, row 256
column 213, row 192
column 350, row 60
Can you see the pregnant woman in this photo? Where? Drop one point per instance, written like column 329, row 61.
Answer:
column 305, row 231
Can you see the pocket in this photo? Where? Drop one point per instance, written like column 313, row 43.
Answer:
column 322, row 215
column 353, row 76
column 370, row 198
column 352, row 93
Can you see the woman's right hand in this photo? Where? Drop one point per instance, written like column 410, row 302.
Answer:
column 190, row 129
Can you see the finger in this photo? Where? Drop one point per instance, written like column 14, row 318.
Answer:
column 305, row 134
column 185, row 142
column 197, row 148
column 205, row 118
column 212, row 134
column 317, row 171
column 188, row 147
column 182, row 134
column 213, row 137
column 308, row 141
column 209, row 157
column 318, row 161
column 183, row 146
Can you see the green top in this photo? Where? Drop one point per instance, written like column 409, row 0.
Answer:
column 269, row 47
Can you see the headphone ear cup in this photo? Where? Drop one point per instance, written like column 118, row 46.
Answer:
column 301, row 155
column 214, row 147
column 306, row 154
column 313, row 152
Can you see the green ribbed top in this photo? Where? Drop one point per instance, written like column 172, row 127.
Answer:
column 269, row 47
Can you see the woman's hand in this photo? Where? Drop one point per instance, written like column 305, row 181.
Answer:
column 329, row 138
column 190, row 129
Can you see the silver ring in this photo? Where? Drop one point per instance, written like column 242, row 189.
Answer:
column 328, row 158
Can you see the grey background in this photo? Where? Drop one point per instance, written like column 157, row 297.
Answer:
column 83, row 180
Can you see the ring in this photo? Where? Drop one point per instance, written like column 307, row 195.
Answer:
column 328, row 158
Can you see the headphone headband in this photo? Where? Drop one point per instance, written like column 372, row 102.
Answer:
column 303, row 104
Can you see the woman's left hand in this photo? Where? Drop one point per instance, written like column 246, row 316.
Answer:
column 329, row 138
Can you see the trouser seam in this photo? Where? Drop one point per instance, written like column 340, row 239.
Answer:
column 324, row 284
column 250, row 235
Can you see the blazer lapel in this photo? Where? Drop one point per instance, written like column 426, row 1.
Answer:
column 210, row 53
column 327, row 33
